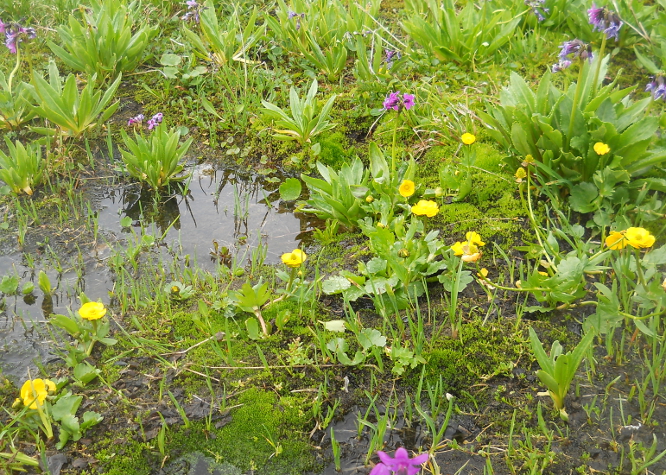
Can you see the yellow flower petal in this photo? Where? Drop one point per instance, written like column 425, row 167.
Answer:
column 294, row 258
column 92, row 310
column 34, row 392
column 474, row 238
column 616, row 240
column 601, row 148
column 467, row 138
column 425, row 208
column 640, row 238
column 406, row 188
column 458, row 249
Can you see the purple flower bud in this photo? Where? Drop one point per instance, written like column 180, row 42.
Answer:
column 537, row 8
column 291, row 14
column 135, row 120
column 3, row 27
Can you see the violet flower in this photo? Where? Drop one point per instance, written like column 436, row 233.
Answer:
column 397, row 102
column 537, row 8
column 3, row 27
column 15, row 34
column 401, row 464
column 657, row 87
column 390, row 55
column 155, row 121
column 571, row 50
column 193, row 11
column 605, row 20
column 137, row 120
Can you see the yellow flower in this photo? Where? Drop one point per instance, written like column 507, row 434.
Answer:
column 474, row 238
column 520, row 175
column 369, row 199
column 92, row 310
column 294, row 258
column 616, row 240
column 467, row 138
column 483, row 273
column 425, row 207
column 529, row 160
column 34, row 392
column 601, row 148
column 469, row 250
column 406, row 188
column 640, row 238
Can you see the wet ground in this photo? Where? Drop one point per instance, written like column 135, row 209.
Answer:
column 220, row 209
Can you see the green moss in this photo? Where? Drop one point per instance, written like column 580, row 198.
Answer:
column 480, row 352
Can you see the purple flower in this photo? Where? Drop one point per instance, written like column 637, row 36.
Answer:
column 605, row 20
column 15, row 33
column 571, row 50
column 389, row 56
column 657, row 87
column 155, row 121
column 135, row 120
column 291, row 14
column 392, row 101
column 537, row 8
column 408, row 101
column 193, row 11
column 562, row 65
column 397, row 102
column 3, row 27
column 401, row 464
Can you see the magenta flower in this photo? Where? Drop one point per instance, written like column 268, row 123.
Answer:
column 408, row 101
column 401, row 464
column 397, row 102
column 392, row 101
column 15, row 33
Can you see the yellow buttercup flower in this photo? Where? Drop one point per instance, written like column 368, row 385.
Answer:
column 520, row 175
column 483, row 273
column 601, row 148
column 467, row 138
column 616, row 240
column 469, row 250
column 474, row 238
column 34, row 392
column 640, row 238
column 406, row 188
column 92, row 310
column 294, row 258
column 425, row 207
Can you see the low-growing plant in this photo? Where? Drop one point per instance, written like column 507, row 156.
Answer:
column 593, row 140
column 87, row 327
column 72, row 112
column 155, row 160
column 16, row 104
column 471, row 35
column 558, row 369
column 22, row 169
column 304, row 119
column 110, row 39
column 224, row 43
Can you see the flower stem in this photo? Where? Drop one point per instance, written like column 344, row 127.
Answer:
column 11, row 75
column 574, row 106
column 596, row 71
column 395, row 133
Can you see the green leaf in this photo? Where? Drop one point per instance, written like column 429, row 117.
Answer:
column 170, row 59
column 9, row 284
column 66, row 323
column 584, row 197
column 66, row 405
column 252, row 326
column 335, row 285
column 337, row 326
column 290, row 189
column 370, row 337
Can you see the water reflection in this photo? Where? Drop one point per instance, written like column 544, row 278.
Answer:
column 216, row 209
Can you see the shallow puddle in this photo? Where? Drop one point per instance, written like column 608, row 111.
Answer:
column 220, row 210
